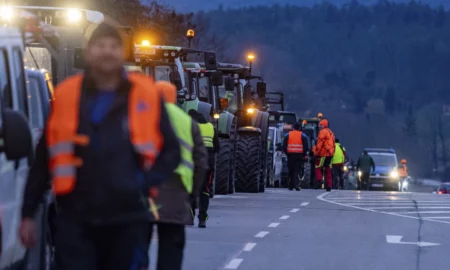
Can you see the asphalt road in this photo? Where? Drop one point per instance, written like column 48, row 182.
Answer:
column 310, row 229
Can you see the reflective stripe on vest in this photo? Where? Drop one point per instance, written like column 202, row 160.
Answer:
column 295, row 142
column 207, row 131
column 182, row 124
column 62, row 126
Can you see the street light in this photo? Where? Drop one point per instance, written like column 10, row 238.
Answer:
column 250, row 58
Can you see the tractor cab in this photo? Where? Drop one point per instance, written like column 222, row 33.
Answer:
column 168, row 63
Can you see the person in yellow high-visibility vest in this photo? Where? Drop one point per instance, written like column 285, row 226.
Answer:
column 173, row 200
column 211, row 141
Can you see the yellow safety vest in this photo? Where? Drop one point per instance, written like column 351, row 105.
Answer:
column 207, row 131
column 182, row 124
column 338, row 157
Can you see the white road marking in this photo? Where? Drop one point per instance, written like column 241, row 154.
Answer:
column 304, row 204
column 234, row 264
column 437, row 218
column 295, row 210
column 249, row 246
column 425, row 212
column 321, row 198
column 397, row 239
column 284, row 217
column 229, row 197
column 273, row 225
column 261, row 234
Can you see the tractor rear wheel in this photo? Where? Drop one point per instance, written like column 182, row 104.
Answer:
column 248, row 158
column 223, row 166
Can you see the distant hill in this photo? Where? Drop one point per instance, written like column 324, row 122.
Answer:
column 196, row 5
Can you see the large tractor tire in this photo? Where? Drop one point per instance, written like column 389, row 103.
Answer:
column 248, row 158
column 306, row 179
column 223, row 166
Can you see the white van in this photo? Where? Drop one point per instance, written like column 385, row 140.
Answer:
column 16, row 145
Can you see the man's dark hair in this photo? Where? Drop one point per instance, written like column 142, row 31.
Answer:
column 193, row 113
column 365, row 152
column 105, row 30
column 297, row 126
column 336, row 140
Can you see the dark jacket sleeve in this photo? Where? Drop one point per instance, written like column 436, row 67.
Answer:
column 285, row 143
column 358, row 163
column 216, row 141
column 200, row 155
column 305, row 141
column 38, row 182
column 372, row 163
column 169, row 156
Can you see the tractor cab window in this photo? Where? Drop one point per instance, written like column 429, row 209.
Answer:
column 232, row 97
column 161, row 73
column 203, row 88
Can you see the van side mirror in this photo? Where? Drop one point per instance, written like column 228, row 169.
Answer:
column 261, row 89
column 229, row 84
column 16, row 135
column 217, row 78
column 175, row 79
column 210, row 61
column 78, row 58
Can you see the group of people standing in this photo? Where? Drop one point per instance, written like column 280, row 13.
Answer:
column 120, row 158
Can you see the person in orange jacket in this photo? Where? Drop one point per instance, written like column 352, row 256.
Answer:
column 106, row 130
column 324, row 151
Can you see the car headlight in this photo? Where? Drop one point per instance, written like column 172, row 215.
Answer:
column 394, row 174
column 345, row 168
column 359, row 173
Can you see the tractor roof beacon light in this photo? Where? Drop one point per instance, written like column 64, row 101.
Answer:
column 145, row 43
column 190, row 34
column 6, row 13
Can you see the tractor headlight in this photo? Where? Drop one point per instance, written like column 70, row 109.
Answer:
column 345, row 168
column 359, row 173
column 74, row 15
column 6, row 13
column 394, row 174
column 216, row 116
column 250, row 110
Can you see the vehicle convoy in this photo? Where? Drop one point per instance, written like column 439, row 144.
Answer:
column 385, row 175
column 243, row 131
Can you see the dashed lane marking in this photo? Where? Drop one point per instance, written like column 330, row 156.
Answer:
column 261, row 234
column 234, row 263
column 273, row 225
column 304, row 204
column 284, row 217
column 249, row 246
column 295, row 210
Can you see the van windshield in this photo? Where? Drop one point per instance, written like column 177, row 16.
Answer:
column 385, row 160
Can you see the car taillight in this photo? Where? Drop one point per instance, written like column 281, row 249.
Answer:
column 440, row 192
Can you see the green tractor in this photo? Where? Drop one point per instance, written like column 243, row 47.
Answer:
column 243, row 132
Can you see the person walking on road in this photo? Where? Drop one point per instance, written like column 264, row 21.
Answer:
column 402, row 172
column 98, row 150
column 364, row 164
column 211, row 141
column 174, row 194
column 296, row 146
column 338, row 165
column 324, row 151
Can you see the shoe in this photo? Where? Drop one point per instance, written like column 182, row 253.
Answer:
column 202, row 224
column 298, row 189
column 328, row 189
column 291, row 189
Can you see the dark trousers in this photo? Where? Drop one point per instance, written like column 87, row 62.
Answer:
column 205, row 193
column 338, row 176
column 82, row 246
column 171, row 242
column 295, row 166
column 365, row 179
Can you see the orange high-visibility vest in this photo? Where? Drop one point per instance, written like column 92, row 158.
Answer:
column 143, row 120
column 403, row 171
column 295, row 142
